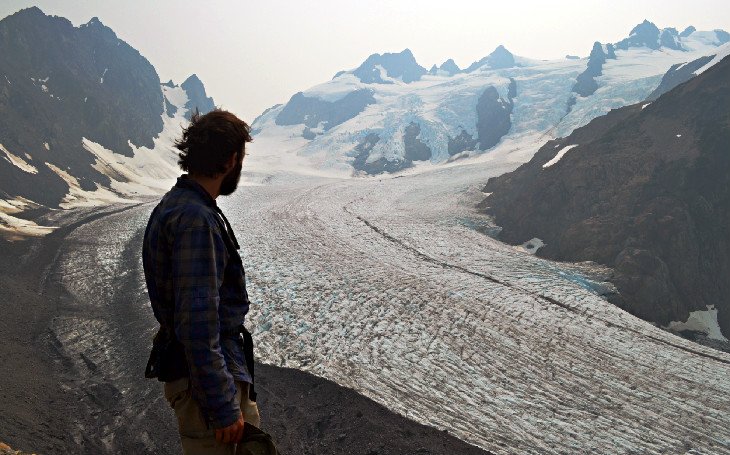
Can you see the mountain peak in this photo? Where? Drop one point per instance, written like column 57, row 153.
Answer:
column 646, row 24
column 688, row 31
column 33, row 10
column 498, row 59
column 646, row 34
column 722, row 36
column 449, row 68
column 408, row 54
column 96, row 23
column 501, row 58
column 192, row 79
column 29, row 16
column 198, row 99
column 401, row 65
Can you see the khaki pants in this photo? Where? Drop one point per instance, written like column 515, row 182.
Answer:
column 195, row 437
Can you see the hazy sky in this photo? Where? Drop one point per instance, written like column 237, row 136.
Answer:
column 253, row 54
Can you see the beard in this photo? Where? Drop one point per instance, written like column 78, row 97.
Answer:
column 230, row 181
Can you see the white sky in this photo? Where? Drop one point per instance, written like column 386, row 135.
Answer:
column 253, row 54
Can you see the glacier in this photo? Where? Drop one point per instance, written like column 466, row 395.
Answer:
column 380, row 285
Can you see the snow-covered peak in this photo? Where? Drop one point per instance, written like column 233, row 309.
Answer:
column 447, row 68
column 687, row 31
column 722, row 52
column 648, row 35
column 500, row 58
column 402, row 66
column 350, row 124
column 198, row 99
column 645, row 34
column 96, row 25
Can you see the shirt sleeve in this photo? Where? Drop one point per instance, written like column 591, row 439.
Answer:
column 198, row 262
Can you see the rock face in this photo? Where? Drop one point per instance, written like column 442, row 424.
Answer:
column 687, row 31
column 669, row 38
column 379, row 165
column 499, row 59
column 402, row 65
column 722, row 36
column 447, row 68
column 60, row 83
column 645, row 34
column 312, row 111
column 197, row 98
column 415, row 150
column 586, row 84
column 494, row 120
column 450, row 67
column 645, row 191
column 610, row 52
column 678, row 74
column 649, row 35
column 463, row 141
column 493, row 117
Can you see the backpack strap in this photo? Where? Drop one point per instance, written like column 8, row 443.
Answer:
column 233, row 246
column 248, row 352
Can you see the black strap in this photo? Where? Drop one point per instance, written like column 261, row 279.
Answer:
column 232, row 243
column 229, row 229
column 248, row 352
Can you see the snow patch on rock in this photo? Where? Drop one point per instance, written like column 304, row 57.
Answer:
column 531, row 246
column 13, row 228
column 560, row 154
column 18, row 162
column 701, row 321
column 722, row 52
column 78, row 197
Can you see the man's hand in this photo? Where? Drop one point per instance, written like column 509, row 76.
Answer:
column 232, row 433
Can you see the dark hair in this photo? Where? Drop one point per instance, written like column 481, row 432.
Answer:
column 210, row 140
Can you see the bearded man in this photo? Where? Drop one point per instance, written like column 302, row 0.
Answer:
column 196, row 284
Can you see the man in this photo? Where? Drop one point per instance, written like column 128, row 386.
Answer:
column 196, row 284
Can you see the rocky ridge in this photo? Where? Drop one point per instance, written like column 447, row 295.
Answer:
column 643, row 190
column 85, row 118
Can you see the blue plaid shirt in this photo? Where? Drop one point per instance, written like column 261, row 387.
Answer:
column 197, row 287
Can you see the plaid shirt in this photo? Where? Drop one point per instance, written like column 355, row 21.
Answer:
column 197, row 287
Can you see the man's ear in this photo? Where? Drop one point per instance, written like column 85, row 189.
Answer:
column 231, row 163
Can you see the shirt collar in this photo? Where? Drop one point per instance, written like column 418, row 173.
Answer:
column 184, row 181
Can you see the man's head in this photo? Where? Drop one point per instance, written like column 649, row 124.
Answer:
column 214, row 145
